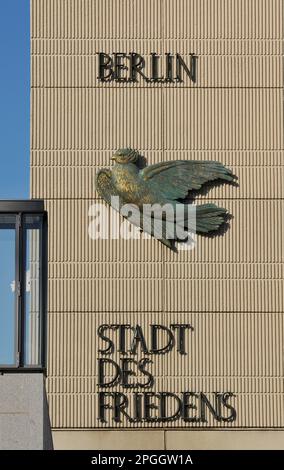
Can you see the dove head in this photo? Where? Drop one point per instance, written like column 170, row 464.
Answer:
column 124, row 156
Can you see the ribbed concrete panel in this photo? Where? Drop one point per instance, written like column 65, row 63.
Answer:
column 81, row 327
column 98, row 158
column 223, row 119
column 85, row 118
column 125, row 295
column 254, row 19
column 105, row 295
column 142, row 19
column 224, row 295
column 241, row 349
column 207, row 119
column 201, row 47
column 82, row 71
column 253, row 236
column 242, row 353
column 70, row 241
column 230, row 287
column 90, row 47
column 257, row 182
column 219, row 270
column 105, row 270
column 87, row 384
column 99, row 19
column 80, row 411
column 213, row 47
column 256, row 439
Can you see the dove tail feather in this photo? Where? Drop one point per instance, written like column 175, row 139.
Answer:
column 209, row 217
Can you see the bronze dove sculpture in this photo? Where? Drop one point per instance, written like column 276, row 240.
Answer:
column 162, row 183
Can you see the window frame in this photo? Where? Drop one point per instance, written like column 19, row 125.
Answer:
column 21, row 209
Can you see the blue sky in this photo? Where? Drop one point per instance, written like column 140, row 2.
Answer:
column 14, row 98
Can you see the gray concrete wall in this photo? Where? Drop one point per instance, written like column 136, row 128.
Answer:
column 24, row 417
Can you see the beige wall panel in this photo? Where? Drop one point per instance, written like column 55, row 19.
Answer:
column 212, row 71
column 111, row 440
column 224, row 295
column 230, row 287
column 242, row 354
column 106, row 270
column 252, row 288
column 78, row 348
column 105, row 295
column 100, row 18
column 111, row 118
column 98, row 158
column 85, row 48
column 142, row 19
column 208, row 47
column 200, row 47
column 80, row 411
column 93, row 118
column 214, row 440
column 87, row 384
column 158, row 269
column 170, row 440
column 241, row 349
column 237, row 345
column 223, row 119
column 71, row 242
column 237, row 384
column 255, row 410
column 79, row 182
column 182, row 269
column 253, row 237
column 223, row 19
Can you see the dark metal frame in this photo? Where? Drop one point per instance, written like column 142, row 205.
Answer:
column 21, row 209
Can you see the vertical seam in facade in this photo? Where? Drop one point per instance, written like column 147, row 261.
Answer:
column 283, row 134
column 163, row 153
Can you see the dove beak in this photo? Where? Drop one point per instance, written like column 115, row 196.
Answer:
column 113, row 158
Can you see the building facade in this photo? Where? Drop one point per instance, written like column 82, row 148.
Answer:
column 228, row 384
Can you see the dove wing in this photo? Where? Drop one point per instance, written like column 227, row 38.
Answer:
column 105, row 185
column 106, row 188
column 176, row 178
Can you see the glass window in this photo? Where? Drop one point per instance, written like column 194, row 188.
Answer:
column 23, row 285
column 32, row 290
column 8, row 324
